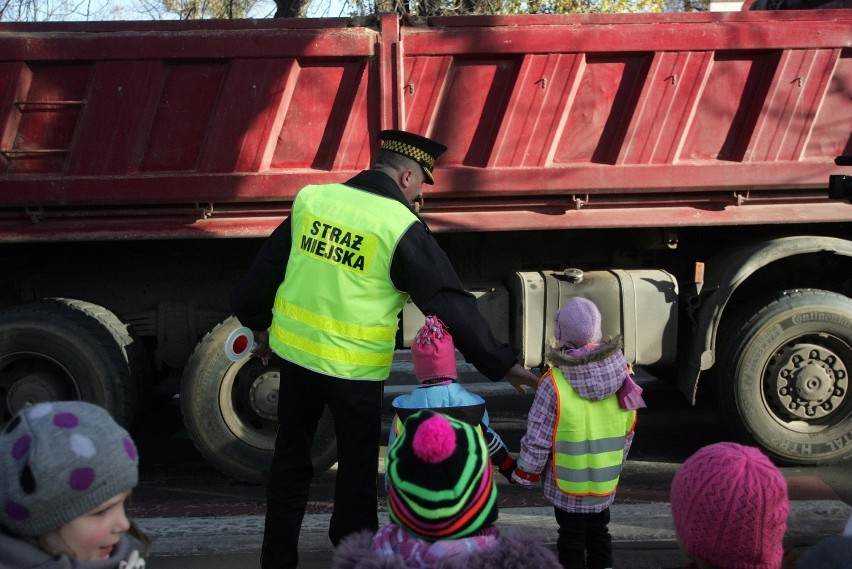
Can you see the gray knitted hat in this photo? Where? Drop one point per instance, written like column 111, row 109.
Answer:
column 60, row 460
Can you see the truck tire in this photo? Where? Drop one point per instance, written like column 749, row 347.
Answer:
column 60, row 349
column 230, row 411
column 784, row 376
column 134, row 354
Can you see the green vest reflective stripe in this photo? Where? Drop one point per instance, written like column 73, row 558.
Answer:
column 588, row 449
column 337, row 310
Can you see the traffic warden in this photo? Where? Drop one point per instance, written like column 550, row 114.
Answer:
column 323, row 297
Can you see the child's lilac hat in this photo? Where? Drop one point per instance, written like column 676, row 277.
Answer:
column 433, row 352
column 578, row 323
column 730, row 507
column 60, row 460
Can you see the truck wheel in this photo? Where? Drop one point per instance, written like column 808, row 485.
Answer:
column 230, row 410
column 60, row 349
column 134, row 354
column 784, row 381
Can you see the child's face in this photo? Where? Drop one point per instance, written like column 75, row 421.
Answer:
column 93, row 535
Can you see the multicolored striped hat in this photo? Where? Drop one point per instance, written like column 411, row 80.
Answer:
column 440, row 481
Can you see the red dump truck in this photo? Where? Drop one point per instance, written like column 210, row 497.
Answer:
column 674, row 168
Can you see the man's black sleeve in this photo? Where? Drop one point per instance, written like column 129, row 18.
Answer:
column 253, row 296
column 422, row 269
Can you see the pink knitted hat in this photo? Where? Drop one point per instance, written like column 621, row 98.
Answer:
column 578, row 323
column 433, row 352
column 730, row 507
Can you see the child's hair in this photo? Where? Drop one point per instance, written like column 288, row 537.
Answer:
column 433, row 352
column 440, row 481
column 730, row 507
column 577, row 323
column 58, row 461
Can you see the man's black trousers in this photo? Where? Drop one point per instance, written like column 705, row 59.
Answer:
column 356, row 407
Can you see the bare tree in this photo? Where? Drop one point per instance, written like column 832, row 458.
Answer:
column 291, row 8
column 53, row 10
column 492, row 7
column 63, row 10
column 58, row 10
column 198, row 9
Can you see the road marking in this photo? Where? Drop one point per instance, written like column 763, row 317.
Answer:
column 649, row 523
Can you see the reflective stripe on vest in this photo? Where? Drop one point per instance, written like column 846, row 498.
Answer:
column 588, row 449
column 337, row 310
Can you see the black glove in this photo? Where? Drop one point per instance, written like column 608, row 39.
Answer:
column 500, row 455
column 508, row 467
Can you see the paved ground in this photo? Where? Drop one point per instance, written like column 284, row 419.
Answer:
column 642, row 533
column 198, row 519
column 222, row 527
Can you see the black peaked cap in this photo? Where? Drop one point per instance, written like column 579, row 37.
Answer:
column 422, row 150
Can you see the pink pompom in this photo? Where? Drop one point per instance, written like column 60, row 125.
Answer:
column 435, row 440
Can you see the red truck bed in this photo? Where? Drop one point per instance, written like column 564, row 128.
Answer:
column 208, row 129
column 123, row 144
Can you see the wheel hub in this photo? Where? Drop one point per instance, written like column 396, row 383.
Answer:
column 34, row 387
column 811, row 380
column 263, row 395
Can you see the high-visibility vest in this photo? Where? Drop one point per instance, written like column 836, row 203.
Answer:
column 588, row 449
column 337, row 310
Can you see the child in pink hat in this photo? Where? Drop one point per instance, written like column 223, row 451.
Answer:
column 730, row 508
column 434, row 356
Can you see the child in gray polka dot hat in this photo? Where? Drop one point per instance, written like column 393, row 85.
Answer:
column 66, row 469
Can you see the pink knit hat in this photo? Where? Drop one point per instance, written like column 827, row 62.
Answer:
column 433, row 352
column 730, row 507
column 578, row 323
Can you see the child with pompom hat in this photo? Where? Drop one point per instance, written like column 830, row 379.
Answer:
column 442, row 502
column 434, row 357
column 579, row 431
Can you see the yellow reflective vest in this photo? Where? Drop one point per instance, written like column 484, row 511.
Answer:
column 588, row 450
column 336, row 312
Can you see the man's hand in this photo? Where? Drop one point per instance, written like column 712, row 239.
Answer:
column 262, row 351
column 520, row 376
